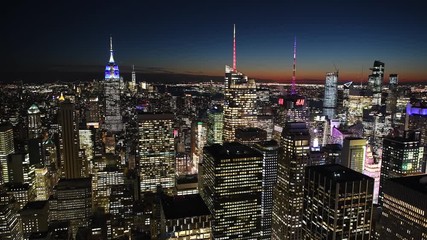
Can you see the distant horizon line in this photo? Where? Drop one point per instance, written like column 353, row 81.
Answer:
column 90, row 76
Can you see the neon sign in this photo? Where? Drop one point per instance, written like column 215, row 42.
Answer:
column 300, row 102
column 280, row 101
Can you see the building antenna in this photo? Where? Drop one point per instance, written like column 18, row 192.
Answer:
column 234, row 47
column 111, row 49
column 293, row 90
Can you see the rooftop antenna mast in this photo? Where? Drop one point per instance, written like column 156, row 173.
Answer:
column 293, row 90
column 234, row 47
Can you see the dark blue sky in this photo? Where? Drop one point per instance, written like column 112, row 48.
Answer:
column 196, row 37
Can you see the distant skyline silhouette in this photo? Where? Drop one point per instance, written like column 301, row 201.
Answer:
column 195, row 38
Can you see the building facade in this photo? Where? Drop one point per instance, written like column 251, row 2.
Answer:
column 270, row 152
column 232, row 190
column 337, row 203
column 331, row 95
column 156, row 151
column 404, row 214
column 288, row 193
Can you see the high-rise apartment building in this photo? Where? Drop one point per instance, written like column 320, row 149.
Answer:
column 34, row 122
column 404, row 208
column 232, row 190
column 331, row 95
column 288, row 194
column 353, row 153
column 156, row 151
column 269, row 151
column 6, row 148
column 71, row 165
column 402, row 156
column 337, row 203
column 112, row 116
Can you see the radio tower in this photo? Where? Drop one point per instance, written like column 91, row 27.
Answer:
column 293, row 90
column 234, row 47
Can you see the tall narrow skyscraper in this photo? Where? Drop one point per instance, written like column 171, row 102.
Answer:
column 331, row 94
column 269, row 151
column 6, row 148
column 71, row 165
column 239, row 100
column 288, row 194
column 112, row 116
column 375, row 82
column 156, row 151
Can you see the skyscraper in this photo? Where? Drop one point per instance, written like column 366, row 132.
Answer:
column 232, row 185
column 337, row 203
column 72, row 201
column 6, row 148
column 402, row 156
column 404, row 214
column 34, row 122
column 215, row 125
column 113, row 117
column 240, row 100
column 71, row 165
column 269, row 150
column 392, row 94
column 156, row 151
column 331, row 92
column 375, row 81
column 288, row 193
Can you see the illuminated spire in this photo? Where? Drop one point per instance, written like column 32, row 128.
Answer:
column 234, row 47
column 111, row 50
column 61, row 98
column 294, row 68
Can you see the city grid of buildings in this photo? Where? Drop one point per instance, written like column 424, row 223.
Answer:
column 128, row 159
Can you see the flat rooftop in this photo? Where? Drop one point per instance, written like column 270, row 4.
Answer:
column 35, row 205
column 339, row 173
column 417, row 183
column 184, row 206
column 231, row 150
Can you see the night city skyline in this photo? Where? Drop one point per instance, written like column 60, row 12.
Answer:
column 53, row 39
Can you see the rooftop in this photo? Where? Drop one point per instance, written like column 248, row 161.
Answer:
column 231, row 150
column 155, row 116
column 417, row 183
column 184, row 206
column 339, row 173
column 35, row 205
column 74, row 183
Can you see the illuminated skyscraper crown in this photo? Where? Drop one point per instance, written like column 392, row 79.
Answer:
column 111, row 70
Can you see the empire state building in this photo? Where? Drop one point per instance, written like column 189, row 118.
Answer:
column 113, row 119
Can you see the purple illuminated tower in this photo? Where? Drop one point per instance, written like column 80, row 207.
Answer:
column 112, row 116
